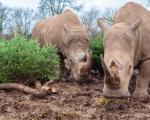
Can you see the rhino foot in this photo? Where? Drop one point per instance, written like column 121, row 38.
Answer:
column 141, row 97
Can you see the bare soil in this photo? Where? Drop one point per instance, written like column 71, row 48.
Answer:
column 73, row 101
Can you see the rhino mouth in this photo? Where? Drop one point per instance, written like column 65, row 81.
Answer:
column 84, row 79
column 117, row 96
column 115, row 93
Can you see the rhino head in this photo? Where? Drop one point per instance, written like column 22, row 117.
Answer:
column 119, row 52
column 78, row 59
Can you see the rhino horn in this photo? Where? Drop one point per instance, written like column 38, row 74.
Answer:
column 105, row 68
column 115, row 66
column 112, row 80
column 81, row 57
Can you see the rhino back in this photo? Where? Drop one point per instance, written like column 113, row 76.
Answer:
column 129, row 13
column 52, row 30
column 36, row 29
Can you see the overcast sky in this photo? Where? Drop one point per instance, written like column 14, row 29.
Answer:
column 101, row 4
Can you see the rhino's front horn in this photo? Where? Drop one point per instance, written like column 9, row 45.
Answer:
column 106, row 70
column 111, row 80
column 81, row 57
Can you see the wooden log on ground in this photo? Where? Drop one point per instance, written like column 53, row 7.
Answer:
column 38, row 91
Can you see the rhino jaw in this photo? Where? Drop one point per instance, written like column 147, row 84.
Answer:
column 116, row 93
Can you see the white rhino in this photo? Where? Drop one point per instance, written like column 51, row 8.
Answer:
column 66, row 33
column 127, row 45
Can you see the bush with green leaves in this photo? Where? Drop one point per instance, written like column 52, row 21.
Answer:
column 96, row 46
column 22, row 58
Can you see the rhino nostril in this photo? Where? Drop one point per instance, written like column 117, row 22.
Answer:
column 82, row 70
column 85, row 59
column 85, row 74
column 68, row 71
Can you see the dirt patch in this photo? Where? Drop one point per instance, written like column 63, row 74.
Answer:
column 74, row 101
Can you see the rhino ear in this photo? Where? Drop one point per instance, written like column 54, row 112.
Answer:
column 136, row 25
column 101, row 24
column 66, row 28
column 86, row 28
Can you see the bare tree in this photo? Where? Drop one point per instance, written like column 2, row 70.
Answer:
column 20, row 21
column 3, row 16
column 108, row 15
column 147, row 2
column 52, row 7
column 89, row 18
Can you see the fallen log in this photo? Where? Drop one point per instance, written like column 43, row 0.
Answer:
column 38, row 91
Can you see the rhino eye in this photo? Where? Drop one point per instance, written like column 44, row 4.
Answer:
column 70, row 59
column 129, row 69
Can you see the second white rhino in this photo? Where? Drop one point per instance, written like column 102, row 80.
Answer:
column 126, row 45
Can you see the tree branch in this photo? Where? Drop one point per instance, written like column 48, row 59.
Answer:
column 39, row 90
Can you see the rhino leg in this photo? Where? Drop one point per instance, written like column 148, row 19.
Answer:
column 142, row 82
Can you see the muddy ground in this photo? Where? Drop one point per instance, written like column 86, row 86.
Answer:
column 73, row 101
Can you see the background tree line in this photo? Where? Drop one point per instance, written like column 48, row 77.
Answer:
column 21, row 20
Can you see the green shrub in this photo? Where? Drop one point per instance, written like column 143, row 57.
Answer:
column 96, row 46
column 21, row 57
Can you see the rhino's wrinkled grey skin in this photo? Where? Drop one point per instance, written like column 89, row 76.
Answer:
column 70, row 37
column 126, row 45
